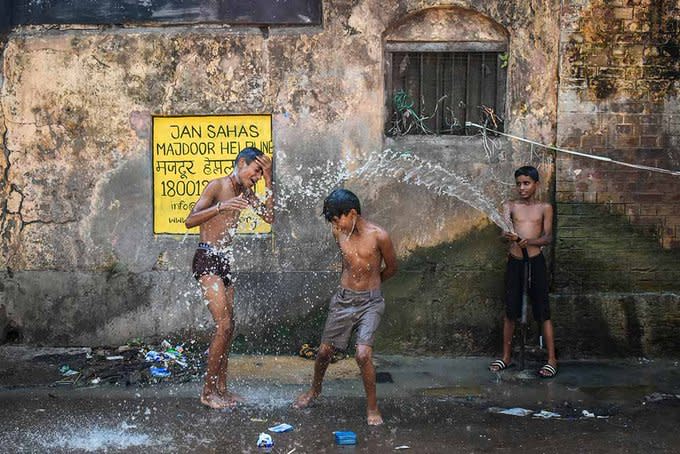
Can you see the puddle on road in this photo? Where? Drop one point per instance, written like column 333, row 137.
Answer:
column 454, row 391
column 618, row 393
column 99, row 438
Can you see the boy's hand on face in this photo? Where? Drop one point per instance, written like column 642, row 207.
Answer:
column 266, row 164
column 235, row 203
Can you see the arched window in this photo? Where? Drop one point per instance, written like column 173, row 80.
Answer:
column 445, row 66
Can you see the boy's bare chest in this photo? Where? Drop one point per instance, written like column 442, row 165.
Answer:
column 527, row 214
column 356, row 250
column 227, row 189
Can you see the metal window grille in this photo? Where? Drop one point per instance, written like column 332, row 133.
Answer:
column 437, row 92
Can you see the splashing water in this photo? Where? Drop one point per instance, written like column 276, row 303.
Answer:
column 408, row 168
column 101, row 438
column 405, row 167
column 482, row 183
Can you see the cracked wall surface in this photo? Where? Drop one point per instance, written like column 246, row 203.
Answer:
column 619, row 99
column 76, row 106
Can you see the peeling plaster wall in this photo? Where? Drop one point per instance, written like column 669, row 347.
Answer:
column 77, row 244
column 78, row 103
column 619, row 98
column 4, row 211
column 617, row 249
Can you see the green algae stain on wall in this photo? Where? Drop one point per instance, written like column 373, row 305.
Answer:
column 598, row 251
column 447, row 298
column 615, row 286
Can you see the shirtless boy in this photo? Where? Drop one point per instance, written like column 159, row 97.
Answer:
column 358, row 303
column 532, row 229
column 217, row 212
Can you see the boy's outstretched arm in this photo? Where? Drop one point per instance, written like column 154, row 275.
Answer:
column 547, row 236
column 509, row 235
column 389, row 257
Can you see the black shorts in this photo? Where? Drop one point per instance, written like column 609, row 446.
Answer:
column 208, row 261
column 538, row 288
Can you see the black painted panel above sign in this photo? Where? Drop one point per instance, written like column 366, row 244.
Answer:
column 256, row 12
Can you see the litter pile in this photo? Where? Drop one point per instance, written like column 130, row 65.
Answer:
column 165, row 359
column 134, row 364
column 545, row 414
column 344, row 437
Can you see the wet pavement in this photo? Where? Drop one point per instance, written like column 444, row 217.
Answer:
column 430, row 405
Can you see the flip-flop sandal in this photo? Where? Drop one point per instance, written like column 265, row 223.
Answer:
column 338, row 356
column 547, row 371
column 308, row 351
column 499, row 365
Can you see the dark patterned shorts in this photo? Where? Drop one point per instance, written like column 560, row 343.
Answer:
column 209, row 261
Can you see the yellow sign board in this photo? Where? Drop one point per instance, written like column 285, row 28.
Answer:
column 190, row 151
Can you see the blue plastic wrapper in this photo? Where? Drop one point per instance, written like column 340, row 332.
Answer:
column 281, row 428
column 265, row 441
column 345, row 438
column 160, row 371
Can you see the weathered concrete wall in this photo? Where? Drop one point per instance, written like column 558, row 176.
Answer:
column 77, row 105
column 619, row 98
column 5, row 216
column 618, row 227
column 80, row 264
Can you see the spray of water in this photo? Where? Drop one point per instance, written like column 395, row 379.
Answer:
column 311, row 184
column 409, row 168
column 484, row 185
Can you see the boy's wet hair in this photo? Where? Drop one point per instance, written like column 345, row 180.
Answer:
column 339, row 202
column 527, row 171
column 249, row 154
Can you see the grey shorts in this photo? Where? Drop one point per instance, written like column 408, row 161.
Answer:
column 350, row 310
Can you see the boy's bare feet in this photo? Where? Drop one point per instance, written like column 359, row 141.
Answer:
column 305, row 399
column 373, row 417
column 214, row 401
column 232, row 398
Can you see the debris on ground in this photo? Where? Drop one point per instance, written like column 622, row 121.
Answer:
column 545, row 414
column 345, row 438
column 134, row 363
column 66, row 371
column 265, row 441
column 281, row 428
column 68, row 376
column 657, row 397
column 164, row 360
column 516, row 411
column 162, row 372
